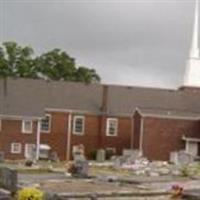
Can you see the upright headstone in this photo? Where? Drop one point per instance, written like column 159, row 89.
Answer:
column 79, row 167
column 8, row 179
column 101, row 155
column 185, row 158
column 181, row 158
column 1, row 156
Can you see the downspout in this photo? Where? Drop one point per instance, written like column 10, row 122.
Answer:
column 104, row 111
column 69, row 137
column 38, row 140
column 141, row 135
column 132, row 132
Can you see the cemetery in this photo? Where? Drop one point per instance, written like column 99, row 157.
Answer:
column 129, row 176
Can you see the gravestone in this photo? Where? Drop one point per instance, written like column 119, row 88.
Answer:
column 8, row 179
column 131, row 152
column 79, row 167
column 181, row 158
column 101, row 155
column 52, row 196
column 1, row 156
column 54, row 156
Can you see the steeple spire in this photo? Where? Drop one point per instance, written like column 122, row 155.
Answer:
column 192, row 73
column 194, row 53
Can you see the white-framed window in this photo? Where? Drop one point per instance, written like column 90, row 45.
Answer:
column 27, row 126
column 112, row 127
column 78, row 125
column 46, row 124
column 16, row 148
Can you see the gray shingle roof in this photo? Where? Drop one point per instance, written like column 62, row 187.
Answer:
column 27, row 97
column 126, row 99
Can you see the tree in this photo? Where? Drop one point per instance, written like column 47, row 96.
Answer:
column 17, row 61
column 56, row 65
column 86, row 75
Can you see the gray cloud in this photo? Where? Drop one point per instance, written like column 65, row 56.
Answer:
column 134, row 42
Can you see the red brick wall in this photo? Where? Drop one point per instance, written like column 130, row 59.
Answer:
column 94, row 136
column 162, row 136
column 123, row 138
column 11, row 133
column 57, row 137
column 90, row 137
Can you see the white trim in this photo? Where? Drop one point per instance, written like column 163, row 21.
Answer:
column 69, row 136
column 108, row 127
column 165, row 116
column 49, row 130
column 38, row 140
column 132, row 133
column 74, row 125
column 13, row 151
column 189, row 139
column 170, row 117
column 187, row 147
column 72, row 111
column 19, row 117
column 23, row 126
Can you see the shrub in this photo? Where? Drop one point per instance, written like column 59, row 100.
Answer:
column 109, row 153
column 30, row 194
column 185, row 171
column 92, row 154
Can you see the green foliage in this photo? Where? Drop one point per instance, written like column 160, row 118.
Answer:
column 86, row 75
column 30, row 194
column 185, row 171
column 17, row 61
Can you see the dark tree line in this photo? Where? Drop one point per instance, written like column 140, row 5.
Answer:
column 17, row 61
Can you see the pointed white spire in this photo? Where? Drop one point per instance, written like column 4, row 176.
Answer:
column 194, row 53
column 192, row 73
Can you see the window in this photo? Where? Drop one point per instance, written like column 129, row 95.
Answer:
column 112, row 126
column 27, row 126
column 78, row 126
column 46, row 124
column 16, row 148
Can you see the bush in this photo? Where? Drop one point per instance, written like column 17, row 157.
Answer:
column 185, row 171
column 30, row 194
column 109, row 153
column 92, row 154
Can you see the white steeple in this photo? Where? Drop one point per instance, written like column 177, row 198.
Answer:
column 194, row 53
column 192, row 75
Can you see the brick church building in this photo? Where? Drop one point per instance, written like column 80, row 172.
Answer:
column 36, row 114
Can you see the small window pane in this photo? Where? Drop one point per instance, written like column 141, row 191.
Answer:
column 27, row 126
column 16, row 148
column 78, row 125
column 45, row 123
column 112, row 127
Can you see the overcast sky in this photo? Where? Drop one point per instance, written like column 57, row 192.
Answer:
column 129, row 42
